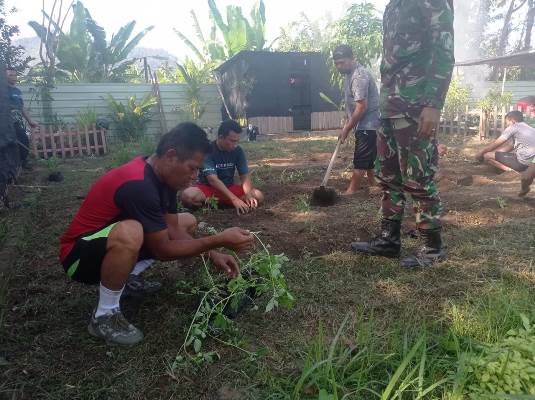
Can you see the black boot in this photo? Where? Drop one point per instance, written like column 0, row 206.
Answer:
column 430, row 253
column 386, row 244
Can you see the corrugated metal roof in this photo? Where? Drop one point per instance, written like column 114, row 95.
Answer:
column 520, row 59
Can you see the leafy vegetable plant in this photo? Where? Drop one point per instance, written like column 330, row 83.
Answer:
column 506, row 367
column 222, row 300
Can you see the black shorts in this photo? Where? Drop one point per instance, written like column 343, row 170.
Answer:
column 84, row 262
column 365, row 149
column 510, row 160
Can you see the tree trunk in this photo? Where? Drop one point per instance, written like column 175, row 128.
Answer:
column 482, row 21
column 506, row 30
column 530, row 19
column 503, row 40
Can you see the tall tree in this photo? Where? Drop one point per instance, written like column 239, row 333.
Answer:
column 304, row 34
column 10, row 55
column 49, row 31
column 503, row 40
column 530, row 19
column 83, row 53
column 482, row 21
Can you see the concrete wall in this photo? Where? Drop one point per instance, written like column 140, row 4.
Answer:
column 69, row 99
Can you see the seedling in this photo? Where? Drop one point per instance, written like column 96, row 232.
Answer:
column 212, row 203
column 292, row 176
column 502, row 203
column 303, row 204
column 222, row 300
column 52, row 166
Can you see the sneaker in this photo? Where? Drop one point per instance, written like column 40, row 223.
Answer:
column 114, row 329
column 136, row 286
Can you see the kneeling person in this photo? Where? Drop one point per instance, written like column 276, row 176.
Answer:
column 130, row 217
column 517, row 155
column 216, row 178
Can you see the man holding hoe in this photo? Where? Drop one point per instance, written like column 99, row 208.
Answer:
column 362, row 109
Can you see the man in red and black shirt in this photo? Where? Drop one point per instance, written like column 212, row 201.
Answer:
column 130, row 217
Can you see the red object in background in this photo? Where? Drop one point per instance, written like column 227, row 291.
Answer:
column 526, row 105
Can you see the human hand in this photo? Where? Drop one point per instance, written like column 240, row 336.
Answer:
column 225, row 263
column 345, row 133
column 251, row 201
column 428, row 122
column 480, row 157
column 240, row 206
column 237, row 239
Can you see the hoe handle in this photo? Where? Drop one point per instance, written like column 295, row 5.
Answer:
column 331, row 163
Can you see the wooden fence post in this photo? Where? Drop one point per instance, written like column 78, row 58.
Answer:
column 466, row 122
column 52, row 140
column 43, row 141
column 87, row 144
column 95, row 139
column 33, row 135
column 61, row 144
column 69, row 139
column 103, row 136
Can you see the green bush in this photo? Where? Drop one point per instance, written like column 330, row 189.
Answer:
column 131, row 119
column 86, row 118
column 506, row 367
column 457, row 99
column 494, row 98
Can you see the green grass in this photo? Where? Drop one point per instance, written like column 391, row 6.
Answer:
column 121, row 153
column 406, row 330
column 487, row 316
column 305, row 147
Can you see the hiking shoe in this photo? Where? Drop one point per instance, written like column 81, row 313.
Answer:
column 136, row 286
column 386, row 244
column 114, row 329
column 424, row 257
column 430, row 253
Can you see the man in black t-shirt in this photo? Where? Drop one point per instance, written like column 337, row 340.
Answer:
column 216, row 178
column 19, row 113
column 130, row 217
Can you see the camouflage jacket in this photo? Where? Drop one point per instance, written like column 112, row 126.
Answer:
column 418, row 56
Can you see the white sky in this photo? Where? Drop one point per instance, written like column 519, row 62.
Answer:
column 169, row 14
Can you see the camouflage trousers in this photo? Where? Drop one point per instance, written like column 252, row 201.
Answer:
column 406, row 165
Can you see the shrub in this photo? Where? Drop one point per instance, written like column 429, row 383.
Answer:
column 457, row 99
column 131, row 119
column 86, row 118
column 494, row 98
column 506, row 367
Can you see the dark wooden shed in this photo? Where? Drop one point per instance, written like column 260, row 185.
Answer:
column 280, row 91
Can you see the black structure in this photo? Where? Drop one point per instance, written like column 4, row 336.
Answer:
column 277, row 84
column 10, row 162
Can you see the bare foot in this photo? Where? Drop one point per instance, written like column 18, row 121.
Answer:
column 350, row 191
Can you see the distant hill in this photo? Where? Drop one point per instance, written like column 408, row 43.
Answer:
column 155, row 57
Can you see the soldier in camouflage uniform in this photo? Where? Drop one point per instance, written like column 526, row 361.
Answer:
column 418, row 60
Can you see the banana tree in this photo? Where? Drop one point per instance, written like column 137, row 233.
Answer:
column 237, row 32
column 75, row 47
column 211, row 50
column 84, row 52
column 194, row 76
